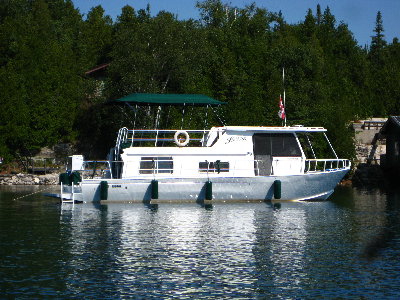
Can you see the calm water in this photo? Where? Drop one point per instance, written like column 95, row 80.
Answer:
column 348, row 247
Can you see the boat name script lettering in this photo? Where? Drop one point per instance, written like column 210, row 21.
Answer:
column 115, row 186
column 235, row 139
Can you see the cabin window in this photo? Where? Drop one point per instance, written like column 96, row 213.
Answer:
column 156, row 165
column 276, row 144
column 214, row 167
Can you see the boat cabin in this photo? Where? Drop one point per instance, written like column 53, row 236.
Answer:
column 229, row 151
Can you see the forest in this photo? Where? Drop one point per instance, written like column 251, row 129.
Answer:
column 233, row 54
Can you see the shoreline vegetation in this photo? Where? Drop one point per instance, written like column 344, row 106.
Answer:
column 59, row 67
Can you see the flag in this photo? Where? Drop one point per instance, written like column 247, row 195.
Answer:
column 281, row 112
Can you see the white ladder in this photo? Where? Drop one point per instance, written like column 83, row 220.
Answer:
column 69, row 199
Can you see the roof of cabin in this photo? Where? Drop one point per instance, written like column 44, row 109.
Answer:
column 392, row 122
column 275, row 129
column 168, row 99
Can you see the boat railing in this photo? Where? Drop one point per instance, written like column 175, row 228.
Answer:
column 325, row 165
column 95, row 169
column 121, row 139
column 164, row 137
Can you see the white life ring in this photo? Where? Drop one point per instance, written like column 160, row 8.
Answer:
column 178, row 141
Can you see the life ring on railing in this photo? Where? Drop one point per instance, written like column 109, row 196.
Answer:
column 178, row 141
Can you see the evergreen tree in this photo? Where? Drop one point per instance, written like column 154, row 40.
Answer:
column 319, row 15
column 39, row 79
column 378, row 41
column 96, row 38
column 393, row 78
column 378, row 75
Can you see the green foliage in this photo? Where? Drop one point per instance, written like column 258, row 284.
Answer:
column 233, row 54
column 95, row 38
column 40, row 91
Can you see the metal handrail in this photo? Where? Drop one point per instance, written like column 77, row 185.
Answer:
column 156, row 139
column 158, row 135
column 167, row 130
column 95, row 169
column 325, row 165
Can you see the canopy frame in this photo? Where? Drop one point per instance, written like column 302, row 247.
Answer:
column 168, row 99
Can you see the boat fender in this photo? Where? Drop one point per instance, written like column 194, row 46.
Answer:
column 208, row 190
column 154, row 189
column 103, row 190
column 75, row 177
column 64, row 179
column 178, row 141
column 277, row 189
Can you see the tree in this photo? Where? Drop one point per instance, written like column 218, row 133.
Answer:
column 39, row 77
column 96, row 38
column 319, row 15
column 379, row 69
column 309, row 25
column 378, row 41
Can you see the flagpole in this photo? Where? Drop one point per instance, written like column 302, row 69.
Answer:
column 284, row 93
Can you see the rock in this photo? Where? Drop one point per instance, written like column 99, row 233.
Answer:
column 28, row 179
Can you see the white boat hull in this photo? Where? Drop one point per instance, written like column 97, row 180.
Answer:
column 317, row 186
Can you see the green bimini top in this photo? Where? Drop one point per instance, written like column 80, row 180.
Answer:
column 168, row 99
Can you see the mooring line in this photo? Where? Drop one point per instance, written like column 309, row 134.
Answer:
column 32, row 193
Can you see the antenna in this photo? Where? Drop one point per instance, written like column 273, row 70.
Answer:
column 284, row 93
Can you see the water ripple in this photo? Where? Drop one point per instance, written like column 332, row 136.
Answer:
column 182, row 251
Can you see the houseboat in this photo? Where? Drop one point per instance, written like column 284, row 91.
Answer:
column 227, row 163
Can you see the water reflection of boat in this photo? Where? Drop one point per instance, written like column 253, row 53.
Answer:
column 224, row 163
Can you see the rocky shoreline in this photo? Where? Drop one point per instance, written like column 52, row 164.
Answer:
column 28, row 179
